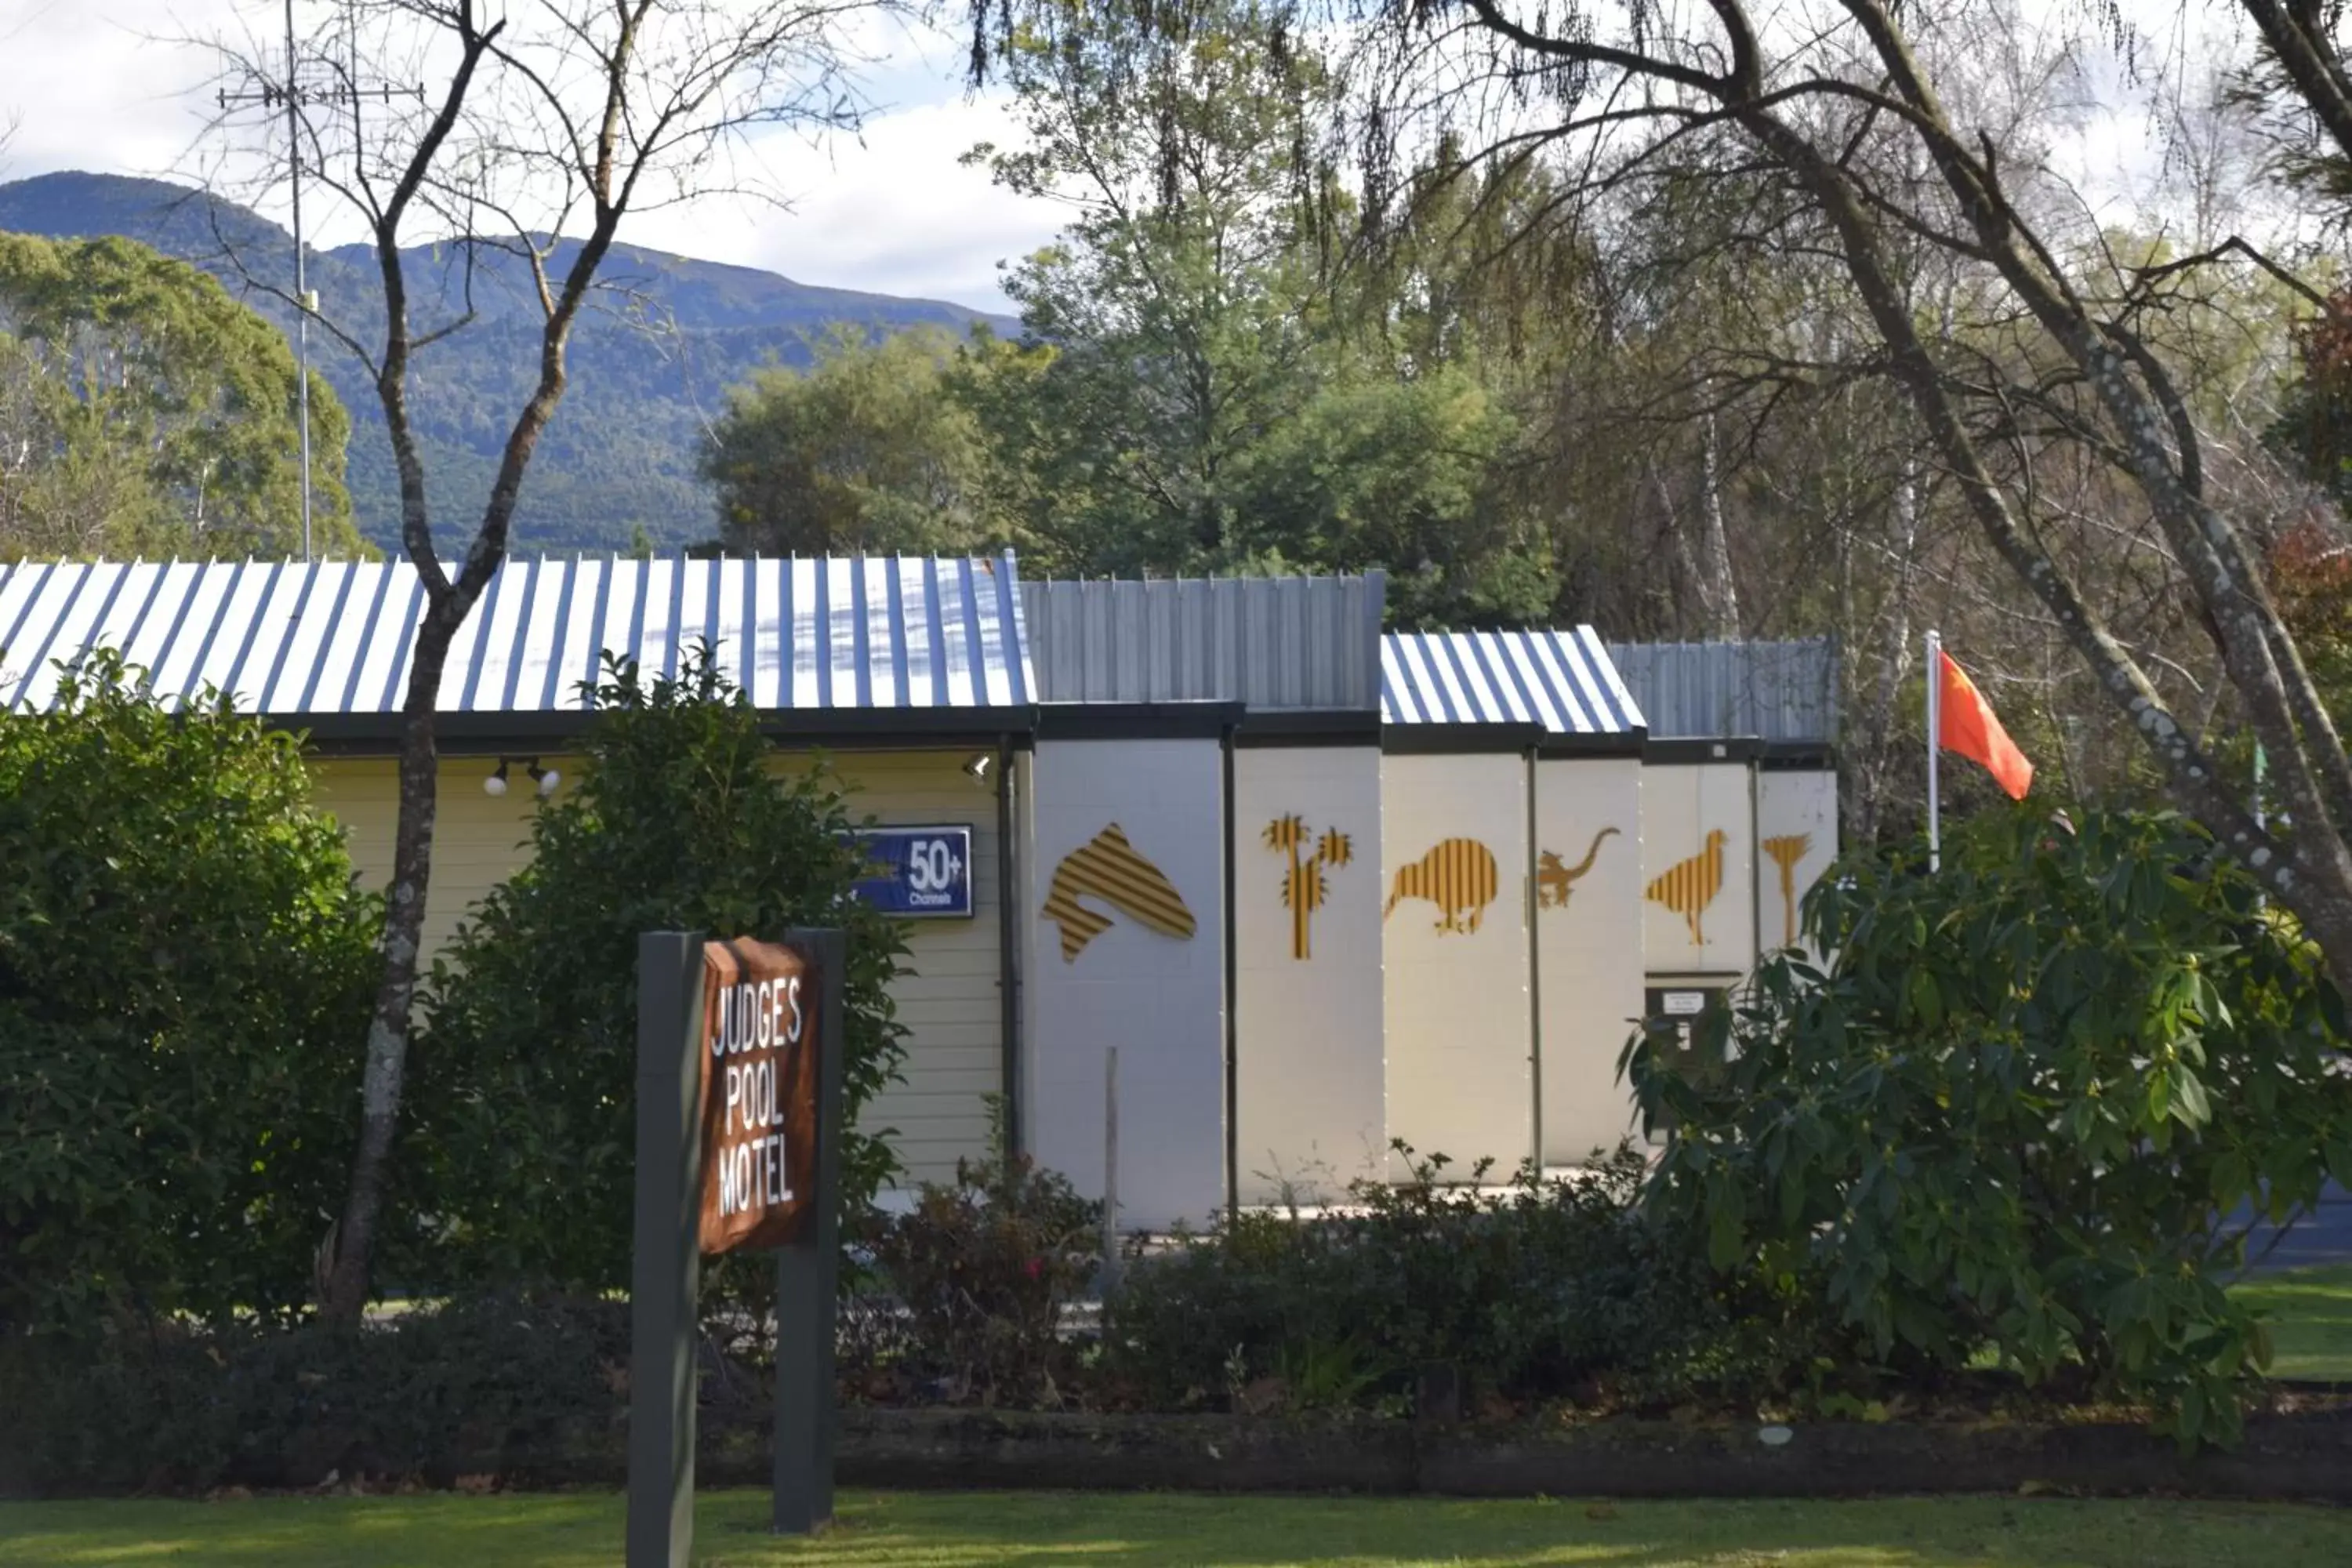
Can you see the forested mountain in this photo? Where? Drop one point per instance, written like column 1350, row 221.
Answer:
column 647, row 368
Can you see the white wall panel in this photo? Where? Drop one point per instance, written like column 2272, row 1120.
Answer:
column 1588, row 920
column 1158, row 996
column 1796, row 823
column 1453, row 839
column 1698, row 844
column 1309, row 1117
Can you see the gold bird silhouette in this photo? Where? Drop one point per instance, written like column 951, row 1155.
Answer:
column 1555, row 881
column 1107, row 867
column 1687, row 886
column 1457, row 875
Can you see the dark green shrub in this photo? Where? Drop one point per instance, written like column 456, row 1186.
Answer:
column 485, row 1384
column 524, row 1137
column 1554, row 1288
column 980, row 1271
column 2021, row 1106
column 185, row 971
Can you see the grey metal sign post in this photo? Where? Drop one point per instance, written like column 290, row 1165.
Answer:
column 726, row 1080
column 807, row 1276
column 666, row 1267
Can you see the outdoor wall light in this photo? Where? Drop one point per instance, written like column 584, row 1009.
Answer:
column 976, row 767
column 546, row 779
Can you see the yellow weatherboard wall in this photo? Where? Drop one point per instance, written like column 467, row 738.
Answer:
column 951, row 1002
column 478, row 840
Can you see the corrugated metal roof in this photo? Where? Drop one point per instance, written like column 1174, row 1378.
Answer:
column 293, row 640
column 1562, row 680
column 1270, row 642
column 1782, row 691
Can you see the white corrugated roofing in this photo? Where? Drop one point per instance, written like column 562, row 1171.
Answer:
column 1562, row 680
column 295, row 640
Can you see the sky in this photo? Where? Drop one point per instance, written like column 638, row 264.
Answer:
column 96, row 85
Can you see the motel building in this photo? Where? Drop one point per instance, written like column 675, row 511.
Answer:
column 1320, row 887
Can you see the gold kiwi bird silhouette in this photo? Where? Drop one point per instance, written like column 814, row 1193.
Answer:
column 1304, row 886
column 1687, row 886
column 1555, row 882
column 1786, row 850
column 1107, row 867
column 1457, row 875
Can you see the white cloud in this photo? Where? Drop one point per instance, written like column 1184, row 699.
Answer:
column 97, row 85
column 892, row 211
column 87, row 85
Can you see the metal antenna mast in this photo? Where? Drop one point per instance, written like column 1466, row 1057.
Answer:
column 269, row 94
column 303, row 303
column 293, row 94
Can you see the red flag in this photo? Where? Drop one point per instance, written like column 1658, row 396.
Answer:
column 1966, row 725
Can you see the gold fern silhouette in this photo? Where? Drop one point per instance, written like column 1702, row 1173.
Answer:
column 1687, row 886
column 1786, row 850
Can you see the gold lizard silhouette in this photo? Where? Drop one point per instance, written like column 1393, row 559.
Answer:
column 1555, row 881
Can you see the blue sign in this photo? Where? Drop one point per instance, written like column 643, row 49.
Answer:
column 917, row 873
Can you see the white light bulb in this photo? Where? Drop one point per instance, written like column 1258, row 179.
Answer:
column 494, row 784
column 548, row 781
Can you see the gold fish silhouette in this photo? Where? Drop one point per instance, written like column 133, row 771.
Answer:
column 1107, row 868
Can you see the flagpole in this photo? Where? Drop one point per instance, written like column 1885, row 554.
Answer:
column 1934, row 733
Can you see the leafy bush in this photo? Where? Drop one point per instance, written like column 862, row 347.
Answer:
column 185, row 970
column 2020, row 1107
column 1555, row 1287
column 484, row 1383
column 524, row 1102
column 982, row 1271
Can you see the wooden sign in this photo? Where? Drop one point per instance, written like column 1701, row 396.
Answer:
column 739, row 1078
column 763, row 1032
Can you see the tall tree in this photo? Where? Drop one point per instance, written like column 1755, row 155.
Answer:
column 1207, row 381
column 529, row 121
column 142, row 411
column 864, row 452
column 1850, row 123
column 1181, row 299
column 2089, row 367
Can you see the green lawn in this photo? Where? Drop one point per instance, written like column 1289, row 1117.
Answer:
column 2311, row 1321
column 1053, row 1530
column 2311, row 1311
